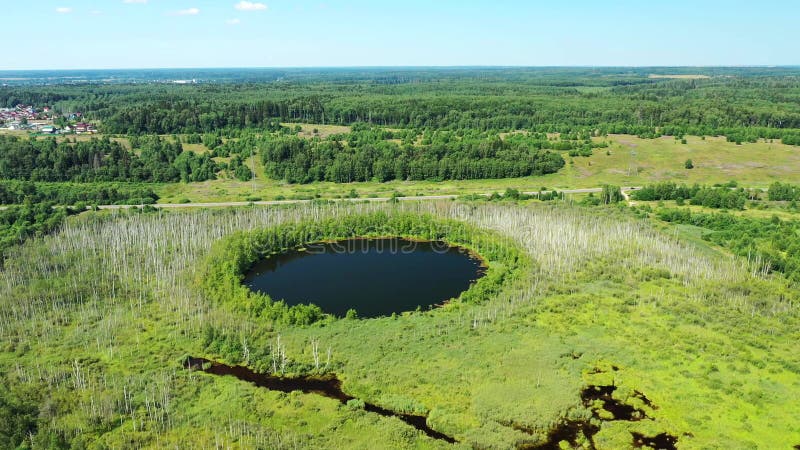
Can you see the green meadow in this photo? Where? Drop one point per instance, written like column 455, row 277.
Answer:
column 628, row 161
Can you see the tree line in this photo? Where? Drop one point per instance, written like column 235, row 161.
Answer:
column 152, row 159
column 721, row 197
column 366, row 155
column 744, row 105
column 14, row 192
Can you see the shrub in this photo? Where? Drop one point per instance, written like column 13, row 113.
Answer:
column 611, row 194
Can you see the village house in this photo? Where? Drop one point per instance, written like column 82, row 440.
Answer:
column 24, row 117
column 84, row 127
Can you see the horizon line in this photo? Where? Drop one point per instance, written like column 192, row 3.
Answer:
column 478, row 66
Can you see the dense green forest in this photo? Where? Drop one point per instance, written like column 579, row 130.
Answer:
column 370, row 153
column 719, row 197
column 407, row 124
column 154, row 160
column 744, row 104
column 14, row 192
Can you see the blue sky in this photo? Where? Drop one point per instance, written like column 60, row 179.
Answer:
column 82, row 34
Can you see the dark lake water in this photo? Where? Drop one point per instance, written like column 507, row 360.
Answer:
column 376, row 277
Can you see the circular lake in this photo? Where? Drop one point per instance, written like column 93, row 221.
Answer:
column 376, row 277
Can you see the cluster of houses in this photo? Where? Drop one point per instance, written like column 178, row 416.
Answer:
column 28, row 118
column 78, row 128
column 21, row 115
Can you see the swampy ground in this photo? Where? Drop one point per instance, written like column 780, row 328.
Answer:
column 620, row 334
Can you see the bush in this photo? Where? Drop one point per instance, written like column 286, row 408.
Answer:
column 511, row 194
column 611, row 194
column 355, row 404
column 20, row 223
column 783, row 192
column 591, row 200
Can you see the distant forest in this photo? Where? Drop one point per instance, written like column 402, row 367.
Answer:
column 742, row 103
column 406, row 124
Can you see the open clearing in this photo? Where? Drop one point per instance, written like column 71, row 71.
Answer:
column 631, row 162
column 322, row 131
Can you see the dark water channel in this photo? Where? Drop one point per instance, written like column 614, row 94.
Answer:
column 569, row 431
column 376, row 277
column 327, row 386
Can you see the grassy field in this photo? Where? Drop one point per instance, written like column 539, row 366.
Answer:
column 629, row 161
column 636, row 161
column 323, row 131
column 100, row 316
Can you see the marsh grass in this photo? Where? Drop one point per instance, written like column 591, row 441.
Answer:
column 98, row 317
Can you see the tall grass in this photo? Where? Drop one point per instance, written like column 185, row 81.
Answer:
column 103, row 279
column 156, row 255
column 136, row 258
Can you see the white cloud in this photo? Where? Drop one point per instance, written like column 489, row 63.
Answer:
column 244, row 5
column 63, row 10
column 96, row 12
column 187, row 12
column 134, row 1
column 233, row 21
